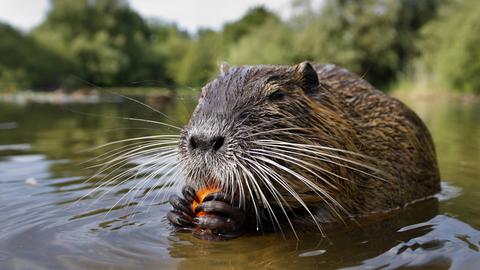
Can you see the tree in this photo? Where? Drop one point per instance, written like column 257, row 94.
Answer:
column 252, row 20
column 109, row 42
column 25, row 63
column 201, row 60
column 374, row 38
column 271, row 43
column 450, row 46
column 172, row 43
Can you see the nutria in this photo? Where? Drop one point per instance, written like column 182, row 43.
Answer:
column 298, row 147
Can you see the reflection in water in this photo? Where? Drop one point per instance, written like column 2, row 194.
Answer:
column 53, row 225
column 446, row 242
column 343, row 247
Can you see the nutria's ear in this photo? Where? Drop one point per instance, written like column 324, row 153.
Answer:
column 306, row 76
column 224, row 67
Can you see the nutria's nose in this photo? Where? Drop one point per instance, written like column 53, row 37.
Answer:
column 205, row 143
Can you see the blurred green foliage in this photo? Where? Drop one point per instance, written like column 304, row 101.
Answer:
column 375, row 38
column 105, row 43
column 25, row 63
column 451, row 46
column 109, row 43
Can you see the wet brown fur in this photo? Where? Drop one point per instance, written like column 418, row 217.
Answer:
column 385, row 129
column 395, row 161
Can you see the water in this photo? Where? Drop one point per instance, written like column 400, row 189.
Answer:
column 44, row 225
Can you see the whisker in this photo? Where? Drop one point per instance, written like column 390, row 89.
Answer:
column 146, row 105
column 130, row 140
column 296, row 161
column 320, row 155
column 127, row 154
column 275, row 193
column 113, row 179
column 319, row 191
column 121, row 164
column 321, row 147
column 257, row 214
column 146, row 180
column 280, row 180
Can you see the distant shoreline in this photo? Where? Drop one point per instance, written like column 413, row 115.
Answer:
column 114, row 95
column 82, row 95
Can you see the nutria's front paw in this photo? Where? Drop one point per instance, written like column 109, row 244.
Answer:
column 217, row 219
column 182, row 214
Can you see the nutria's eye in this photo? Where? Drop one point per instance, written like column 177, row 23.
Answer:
column 276, row 96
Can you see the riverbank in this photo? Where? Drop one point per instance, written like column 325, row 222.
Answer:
column 115, row 95
column 83, row 95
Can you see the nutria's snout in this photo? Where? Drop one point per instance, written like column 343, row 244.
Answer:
column 204, row 154
column 205, row 143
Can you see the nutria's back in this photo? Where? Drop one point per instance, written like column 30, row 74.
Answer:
column 390, row 132
column 317, row 143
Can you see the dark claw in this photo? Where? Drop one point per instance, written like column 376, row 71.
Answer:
column 189, row 194
column 222, row 220
column 216, row 223
column 180, row 220
column 181, row 205
column 218, row 207
column 218, row 196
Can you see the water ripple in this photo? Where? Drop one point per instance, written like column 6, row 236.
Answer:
column 450, row 243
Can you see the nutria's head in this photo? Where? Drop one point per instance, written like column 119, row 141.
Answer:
column 269, row 135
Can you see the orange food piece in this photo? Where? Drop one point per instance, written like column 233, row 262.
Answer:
column 201, row 194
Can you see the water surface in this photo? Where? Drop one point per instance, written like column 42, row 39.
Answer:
column 44, row 225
